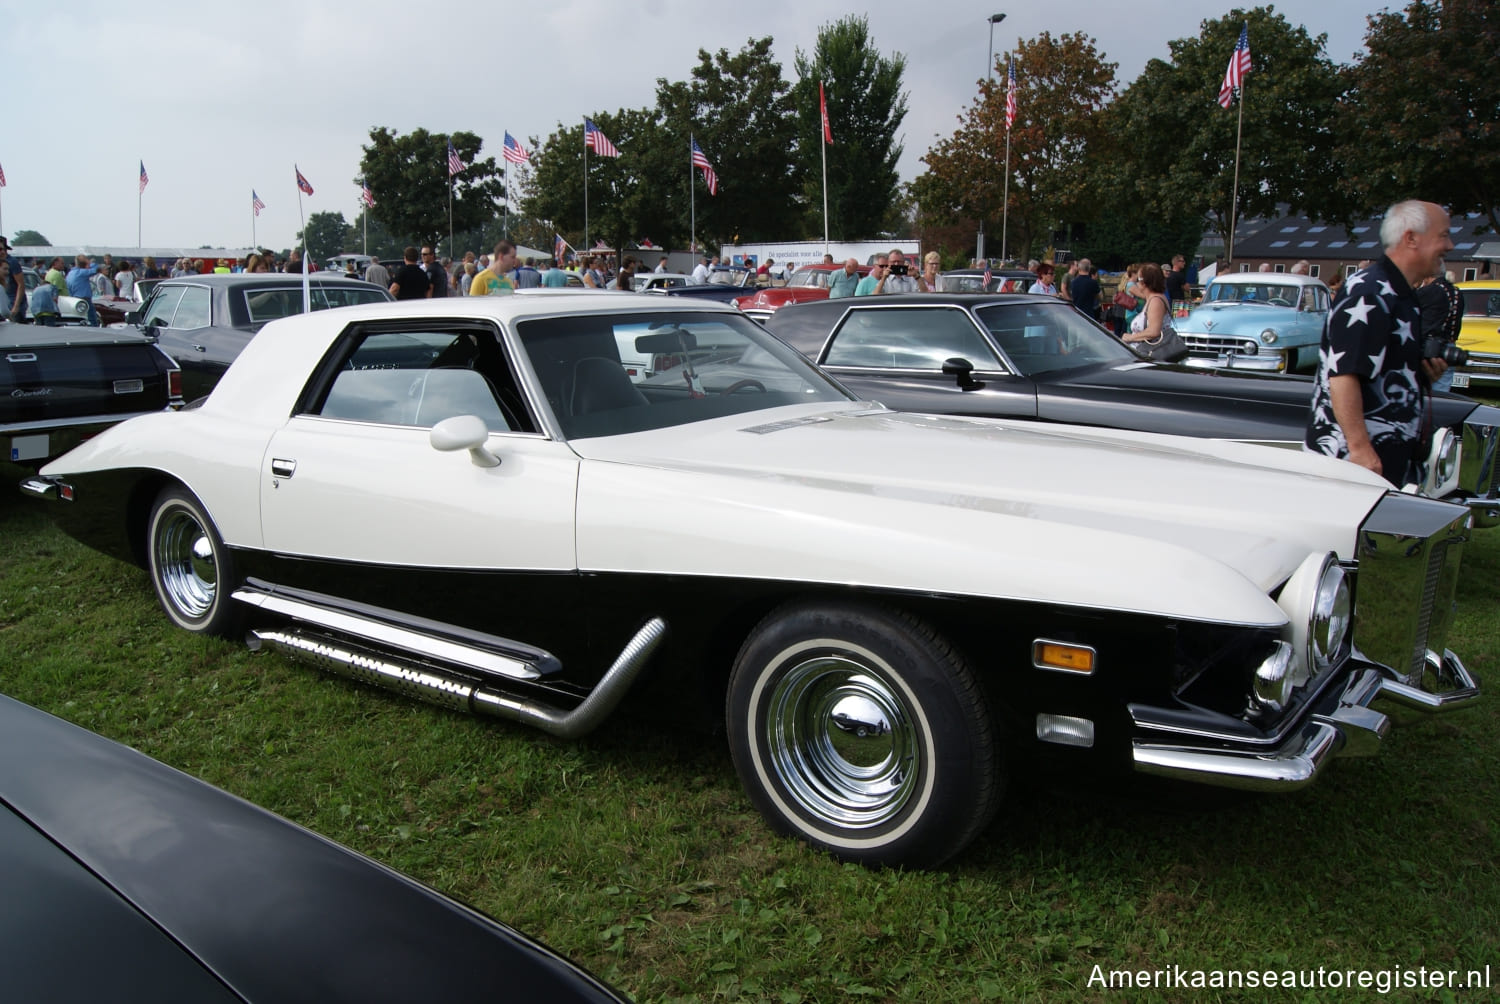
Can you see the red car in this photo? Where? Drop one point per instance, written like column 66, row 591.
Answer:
column 810, row 282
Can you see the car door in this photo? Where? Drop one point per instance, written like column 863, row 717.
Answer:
column 356, row 501
column 190, row 336
column 895, row 354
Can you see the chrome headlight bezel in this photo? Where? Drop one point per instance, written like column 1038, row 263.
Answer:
column 1268, row 336
column 1444, row 460
column 1319, row 604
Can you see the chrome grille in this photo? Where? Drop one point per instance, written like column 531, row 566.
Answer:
column 1479, row 459
column 1209, row 345
column 1483, row 367
column 1409, row 554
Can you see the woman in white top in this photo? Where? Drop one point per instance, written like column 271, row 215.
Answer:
column 1151, row 287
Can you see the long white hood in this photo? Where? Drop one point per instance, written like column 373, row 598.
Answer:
column 1189, row 528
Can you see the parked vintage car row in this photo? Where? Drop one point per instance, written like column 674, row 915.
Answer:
column 889, row 614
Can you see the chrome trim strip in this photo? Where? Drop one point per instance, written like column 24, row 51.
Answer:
column 48, row 424
column 390, row 635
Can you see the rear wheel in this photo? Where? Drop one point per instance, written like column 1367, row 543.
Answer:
column 859, row 730
column 191, row 569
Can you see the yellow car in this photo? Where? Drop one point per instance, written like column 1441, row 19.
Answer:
column 1480, row 334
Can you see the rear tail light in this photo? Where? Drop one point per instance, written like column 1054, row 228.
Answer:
column 174, row 383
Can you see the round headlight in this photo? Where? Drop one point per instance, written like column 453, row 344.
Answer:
column 1443, row 462
column 81, row 308
column 1331, row 613
column 1268, row 336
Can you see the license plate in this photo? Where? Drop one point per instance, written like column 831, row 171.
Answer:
column 28, row 447
column 1460, row 380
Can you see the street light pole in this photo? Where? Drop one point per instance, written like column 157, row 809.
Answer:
column 989, row 72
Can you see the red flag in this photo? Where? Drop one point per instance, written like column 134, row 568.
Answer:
column 302, row 182
column 823, row 107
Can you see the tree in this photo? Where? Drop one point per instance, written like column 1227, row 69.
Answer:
column 739, row 110
column 31, row 239
column 1062, row 85
column 324, row 236
column 409, row 176
column 558, row 182
column 1429, row 91
column 1179, row 144
column 866, row 107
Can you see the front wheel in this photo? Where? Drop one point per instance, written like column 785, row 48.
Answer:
column 191, row 569
column 860, row 731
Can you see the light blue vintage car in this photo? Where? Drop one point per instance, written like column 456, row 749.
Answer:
column 1269, row 321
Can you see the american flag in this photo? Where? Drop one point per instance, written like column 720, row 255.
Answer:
column 987, row 278
column 1010, row 98
column 366, row 196
column 144, row 179
column 302, row 183
column 455, row 162
column 515, row 152
column 1239, row 65
column 2, row 177
column 596, row 140
column 559, row 248
column 699, row 160
column 255, row 202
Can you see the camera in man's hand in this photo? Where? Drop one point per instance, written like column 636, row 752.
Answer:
column 898, row 270
column 1440, row 348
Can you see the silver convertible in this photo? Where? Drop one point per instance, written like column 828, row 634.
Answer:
column 469, row 500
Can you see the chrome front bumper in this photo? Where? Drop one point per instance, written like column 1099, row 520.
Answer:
column 1345, row 723
column 1261, row 362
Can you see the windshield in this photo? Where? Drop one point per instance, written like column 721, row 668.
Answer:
column 264, row 305
column 1049, row 335
column 702, row 365
column 1275, row 294
column 810, row 277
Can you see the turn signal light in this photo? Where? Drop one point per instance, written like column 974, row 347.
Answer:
column 1062, row 656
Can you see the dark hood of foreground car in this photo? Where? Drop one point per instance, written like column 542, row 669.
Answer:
column 165, row 888
column 1186, row 527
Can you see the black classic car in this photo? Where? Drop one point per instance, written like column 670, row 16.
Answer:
column 204, row 321
column 1039, row 359
column 126, row 880
column 59, row 386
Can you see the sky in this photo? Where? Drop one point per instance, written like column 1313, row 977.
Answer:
column 219, row 99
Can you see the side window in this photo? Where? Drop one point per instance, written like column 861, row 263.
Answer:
column 159, row 311
column 193, row 310
column 910, row 339
column 419, row 378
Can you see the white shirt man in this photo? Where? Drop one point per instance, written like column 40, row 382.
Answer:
column 700, row 274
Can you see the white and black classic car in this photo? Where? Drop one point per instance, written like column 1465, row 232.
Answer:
column 470, row 501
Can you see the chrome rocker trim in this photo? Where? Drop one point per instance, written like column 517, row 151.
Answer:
column 438, row 670
column 1351, row 728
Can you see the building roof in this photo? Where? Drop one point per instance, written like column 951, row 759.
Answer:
column 1296, row 237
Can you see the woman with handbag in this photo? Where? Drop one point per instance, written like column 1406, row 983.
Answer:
column 1151, row 334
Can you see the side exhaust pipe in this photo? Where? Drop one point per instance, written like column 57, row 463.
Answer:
column 460, row 692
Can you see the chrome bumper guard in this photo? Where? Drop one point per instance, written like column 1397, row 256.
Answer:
column 1348, row 725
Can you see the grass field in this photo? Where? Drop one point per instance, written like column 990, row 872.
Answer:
column 635, row 853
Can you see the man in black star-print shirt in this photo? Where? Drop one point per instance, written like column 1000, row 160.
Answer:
column 1368, row 395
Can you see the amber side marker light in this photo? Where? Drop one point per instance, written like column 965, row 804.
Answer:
column 1063, row 657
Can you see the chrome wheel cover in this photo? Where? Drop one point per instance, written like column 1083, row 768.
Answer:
column 185, row 563
column 843, row 742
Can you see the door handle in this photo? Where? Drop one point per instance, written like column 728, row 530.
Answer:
column 283, row 468
column 200, row 348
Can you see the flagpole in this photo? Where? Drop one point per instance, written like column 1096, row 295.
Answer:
column 586, row 186
column 366, row 251
column 253, row 243
column 306, row 282
column 1234, row 201
column 505, row 219
column 1005, row 205
column 692, row 200
column 450, row 215
column 140, row 193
